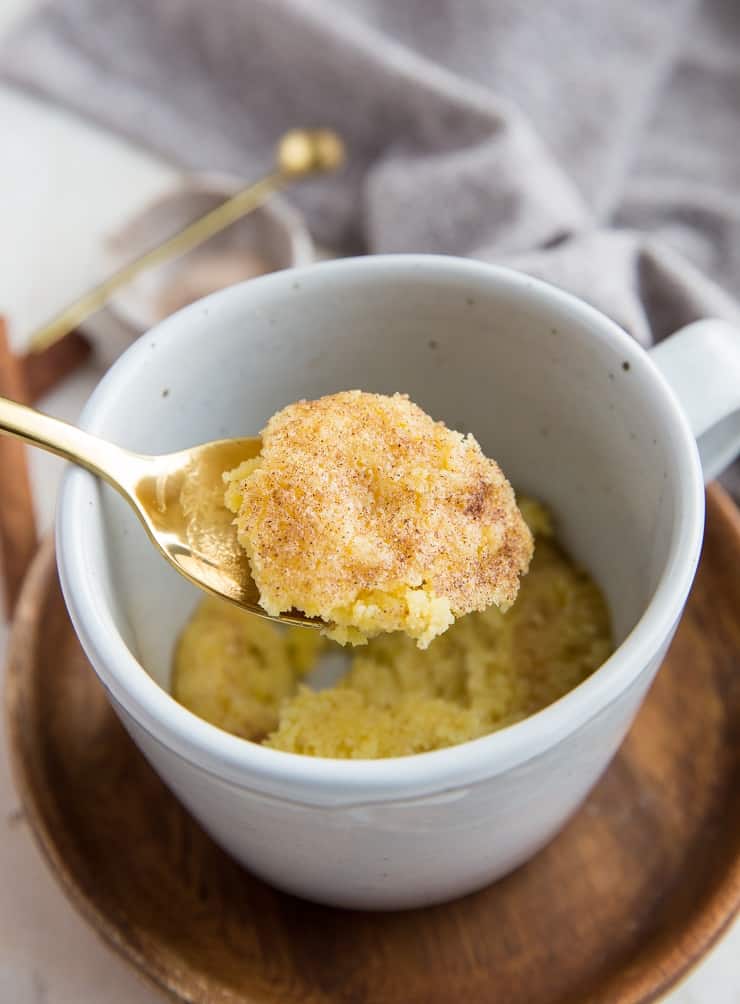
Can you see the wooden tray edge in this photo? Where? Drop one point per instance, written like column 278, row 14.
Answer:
column 665, row 965
column 40, row 816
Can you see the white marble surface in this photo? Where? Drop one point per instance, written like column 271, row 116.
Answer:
column 62, row 185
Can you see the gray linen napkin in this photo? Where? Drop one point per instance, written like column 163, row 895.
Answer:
column 592, row 144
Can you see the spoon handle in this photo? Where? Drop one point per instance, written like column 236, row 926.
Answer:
column 300, row 153
column 115, row 465
column 179, row 244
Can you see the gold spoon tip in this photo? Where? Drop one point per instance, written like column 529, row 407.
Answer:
column 300, row 153
column 310, row 151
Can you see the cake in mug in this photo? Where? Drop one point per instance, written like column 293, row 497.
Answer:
column 490, row 669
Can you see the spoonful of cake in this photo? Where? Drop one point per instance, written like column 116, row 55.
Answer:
column 356, row 513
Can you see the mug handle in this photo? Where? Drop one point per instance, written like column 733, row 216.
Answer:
column 701, row 362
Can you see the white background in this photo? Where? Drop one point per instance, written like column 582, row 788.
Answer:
column 63, row 185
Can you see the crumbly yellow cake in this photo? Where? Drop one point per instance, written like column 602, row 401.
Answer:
column 363, row 511
column 489, row 670
column 234, row 669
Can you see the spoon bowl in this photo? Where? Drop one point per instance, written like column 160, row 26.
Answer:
column 177, row 496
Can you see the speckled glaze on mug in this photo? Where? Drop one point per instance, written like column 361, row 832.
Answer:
column 576, row 413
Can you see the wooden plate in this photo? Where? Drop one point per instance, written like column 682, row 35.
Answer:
column 616, row 909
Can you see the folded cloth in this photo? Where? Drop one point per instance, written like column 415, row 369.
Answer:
column 592, row 144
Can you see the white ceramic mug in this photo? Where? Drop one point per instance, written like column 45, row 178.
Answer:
column 576, row 413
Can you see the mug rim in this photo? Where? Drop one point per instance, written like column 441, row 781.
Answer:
column 250, row 765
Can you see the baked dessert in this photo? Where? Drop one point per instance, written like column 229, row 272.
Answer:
column 363, row 511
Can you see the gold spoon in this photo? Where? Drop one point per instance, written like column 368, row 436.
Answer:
column 179, row 497
column 300, row 153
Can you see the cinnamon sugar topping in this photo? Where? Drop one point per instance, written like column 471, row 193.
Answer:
column 365, row 512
